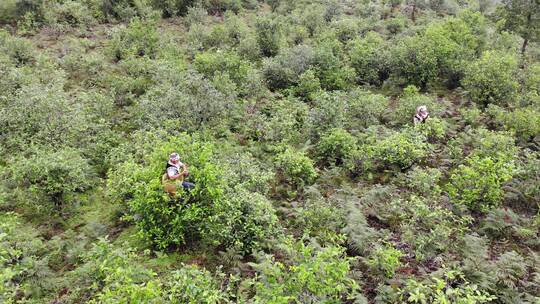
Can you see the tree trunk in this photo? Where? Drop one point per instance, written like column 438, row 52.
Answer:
column 524, row 46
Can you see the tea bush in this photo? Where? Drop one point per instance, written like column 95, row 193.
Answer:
column 47, row 181
column 492, row 79
column 478, row 184
column 336, row 146
column 295, row 168
column 311, row 275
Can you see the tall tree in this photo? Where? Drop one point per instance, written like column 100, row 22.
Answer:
column 521, row 17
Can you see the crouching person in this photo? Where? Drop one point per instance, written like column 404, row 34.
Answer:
column 175, row 172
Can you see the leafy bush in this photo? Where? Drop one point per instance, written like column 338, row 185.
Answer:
column 160, row 220
column 139, row 39
column 415, row 60
column 269, row 35
column 47, row 180
column 370, row 65
column 230, row 63
column 184, row 101
column 190, row 284
column 309, row 274
column 401, row 149
column 525, row 122
column 295, row 168
column 406, row 106
column 479, row 183
column 427, row 226
column 364, row 109
column 25, row 274
column 320, row 218
column 452, row 287
column 286, row 68
column 336, row 146
column 492, row 79
column 217, row 211
column 386, row 260
column 243, row 220
column 425, row 181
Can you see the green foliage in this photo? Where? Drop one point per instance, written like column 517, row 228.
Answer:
column 406, row 106
column 520, row 17
column 425, row 181
column 159, row 219
column 308, row 274
column 451, row 287
column 524, row 122
column 336, row 146
column 364, row 109
column 427, row 225
column 320, row 218
column 415, row 60
column 139, row 39
column 243, row 220
column 190, row 284
column 183, row 100
column 492, row 79
column 478, row 184
column 230, row 63
column 24, row 271
column 47, row 181
column 367, row 60
column 286, row 68
column 401, row 149
column 386, row 260
column 269, row 35
column 295, row 168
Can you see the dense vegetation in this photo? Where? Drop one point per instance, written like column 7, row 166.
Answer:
column 312, row 185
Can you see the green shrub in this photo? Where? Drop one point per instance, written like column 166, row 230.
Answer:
column 269, row 35
column 454, row 44
column 407, row 104
column 160, row 220
column 173, row 7
column 243, row 220
column 385, row 260
column 425, row 181
column 47, row 180
column 190, row 284
column 524, row 122
column 184, row 101
column 25, row 273
column 414, row 59
column 327, row 112
column 335, row 146
column 308, row 85
column 320, row 218
column 478, row 184
column 427, row 226
column 285, row 69
column 368, row 59
column 401, row 149
column 434, row 128
column 295, row 168
column 210, row 63
column 364, row 109
column 139, row 39
column 330, row 65
column 492, row 79
column 309, row 275
column 218, row 211
column 452, row 287
column 68, row 14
